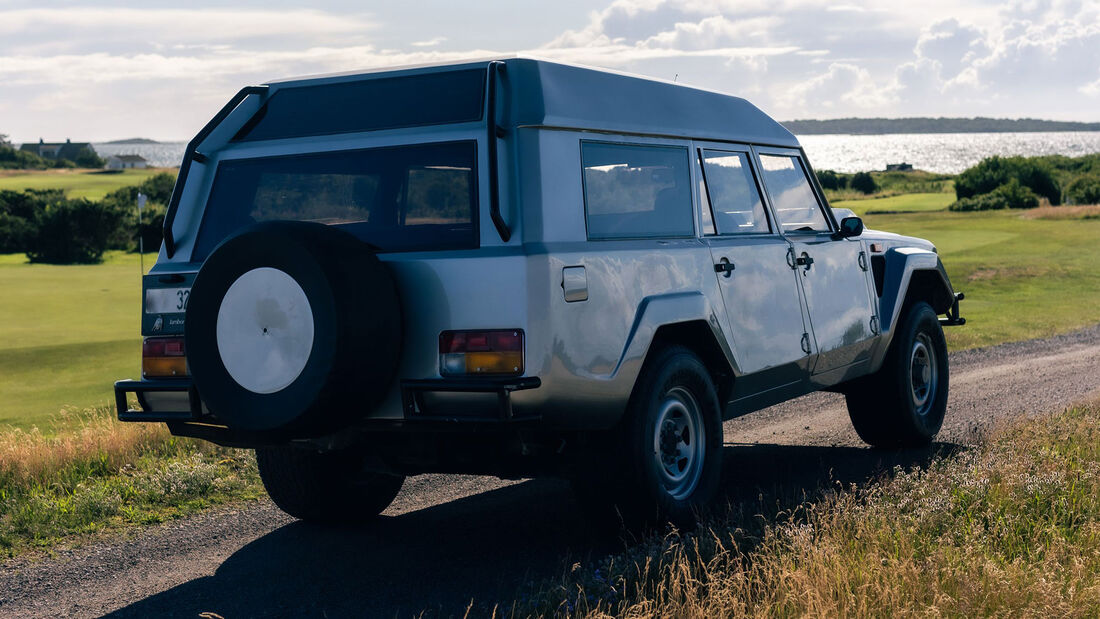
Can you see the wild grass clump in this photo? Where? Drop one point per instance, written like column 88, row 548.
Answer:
column 101, row 474
column 1009, row 528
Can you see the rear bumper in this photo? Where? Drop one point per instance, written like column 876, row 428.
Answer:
column 425, row 408
column 189, row 406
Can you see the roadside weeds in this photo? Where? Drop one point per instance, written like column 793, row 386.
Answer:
column 1011, row 527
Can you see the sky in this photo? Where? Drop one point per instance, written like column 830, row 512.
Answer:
column 99, row 70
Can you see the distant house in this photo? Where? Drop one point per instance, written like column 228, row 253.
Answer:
column 126, row 162
column 57, row 150
column 898, row 167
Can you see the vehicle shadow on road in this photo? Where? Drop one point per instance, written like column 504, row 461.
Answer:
column 481, row 548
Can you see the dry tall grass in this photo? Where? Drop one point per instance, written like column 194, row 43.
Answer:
column 28, row 457
column 1063, row 212
column 1008, row 529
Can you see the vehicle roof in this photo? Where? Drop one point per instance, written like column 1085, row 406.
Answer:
column 542, row 93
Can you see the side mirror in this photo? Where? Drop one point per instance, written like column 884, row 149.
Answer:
column 850, row 226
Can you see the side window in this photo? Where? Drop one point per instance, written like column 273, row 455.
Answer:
column 733, row 194
column 633, row 191
column 796, row 207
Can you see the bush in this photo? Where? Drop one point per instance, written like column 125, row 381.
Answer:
column 830, row 180
column 1084, row 190
column 1010, row 195
column 994, row 172
column 158, row 191
column 74, row 232
column 18, row 219
column 88, row 158
column 864, row 183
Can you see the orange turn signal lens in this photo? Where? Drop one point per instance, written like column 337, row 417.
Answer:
column 481, row 352
column 163, row 357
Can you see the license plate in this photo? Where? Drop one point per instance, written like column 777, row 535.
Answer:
column 166, row 300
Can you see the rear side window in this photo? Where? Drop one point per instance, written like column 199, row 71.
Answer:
column 401, row 198
column 634, row 191
column 733, row 194
column 794, row 201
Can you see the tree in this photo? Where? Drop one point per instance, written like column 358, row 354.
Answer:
column 1084, row 190
column 993, row 172
column 864, row 183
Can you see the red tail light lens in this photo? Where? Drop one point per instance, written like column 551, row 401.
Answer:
column 481, row 352
column 163, row 357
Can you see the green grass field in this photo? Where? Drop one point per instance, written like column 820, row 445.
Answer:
column 76, row 183
column 66, row 334
column 905, row 203
column 1023, row 278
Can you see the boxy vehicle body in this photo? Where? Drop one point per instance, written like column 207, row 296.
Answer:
column 550, row 231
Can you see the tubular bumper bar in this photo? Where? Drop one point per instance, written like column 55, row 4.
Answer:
column 953, row 319
column 141, row 387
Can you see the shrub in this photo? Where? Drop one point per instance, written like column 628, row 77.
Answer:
column 74, row 232
column 1010, row 195
column 994, row 172
column 1084, row 190
column 88, row 158
column 829, row 180
column 864, row 183
column 158, row 190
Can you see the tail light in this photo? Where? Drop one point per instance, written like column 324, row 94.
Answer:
column 481, row 352
column 163, row 357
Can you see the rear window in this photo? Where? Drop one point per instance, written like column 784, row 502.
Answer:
column 369, row 105
column 401, row 198
column 634, row 191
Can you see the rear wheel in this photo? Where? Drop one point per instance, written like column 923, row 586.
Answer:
column 903, row 404
column 329, row 487
column 664, row 463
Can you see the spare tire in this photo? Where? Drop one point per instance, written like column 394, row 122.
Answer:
column 292, row 327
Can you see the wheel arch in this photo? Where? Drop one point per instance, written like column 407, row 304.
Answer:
column 911, row 275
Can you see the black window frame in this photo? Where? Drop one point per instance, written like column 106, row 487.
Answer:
column 747, row 152
column 811, row 180
column 475, row 194
column 584, row 190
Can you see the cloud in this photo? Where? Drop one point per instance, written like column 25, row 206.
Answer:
column 433, row 42
column 843, row 88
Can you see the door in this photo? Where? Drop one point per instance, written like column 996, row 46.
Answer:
column 833, row 271
column 764, row 311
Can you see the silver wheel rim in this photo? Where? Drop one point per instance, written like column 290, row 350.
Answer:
column 679, row 444
column 923, row 374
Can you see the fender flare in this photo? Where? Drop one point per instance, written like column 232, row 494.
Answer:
column 663, row 310
column 905, row 268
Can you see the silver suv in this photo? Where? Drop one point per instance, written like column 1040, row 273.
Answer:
column 516, row 268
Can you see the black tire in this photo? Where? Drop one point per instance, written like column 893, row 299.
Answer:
column 633, row 476
column 355, row 319
column 326, row 488
column 903, row 404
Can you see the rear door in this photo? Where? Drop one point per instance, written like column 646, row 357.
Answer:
column 764, row 311
column 833, row 271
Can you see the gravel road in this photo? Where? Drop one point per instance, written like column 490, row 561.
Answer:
column 448, row 539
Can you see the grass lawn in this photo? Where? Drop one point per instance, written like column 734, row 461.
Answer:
column 1023, row 278
column 905, row 203
column 66, row 334
column 91, row 184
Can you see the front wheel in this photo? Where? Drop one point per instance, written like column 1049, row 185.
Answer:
column 903, row 404
column 664, row 463
column 329, row 487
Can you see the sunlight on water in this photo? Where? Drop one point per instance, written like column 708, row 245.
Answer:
column 935, row 152
column 938, row 152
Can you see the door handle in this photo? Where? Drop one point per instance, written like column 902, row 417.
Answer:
column 725, row 267
column 805, row 260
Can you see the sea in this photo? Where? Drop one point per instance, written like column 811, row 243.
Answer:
column 948, row 153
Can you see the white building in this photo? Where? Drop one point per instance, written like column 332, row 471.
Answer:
column 125, row 162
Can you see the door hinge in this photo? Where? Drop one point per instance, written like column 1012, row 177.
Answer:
column 874, row 325
column 806, row 343
column 790, row 258
column 863, row 260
